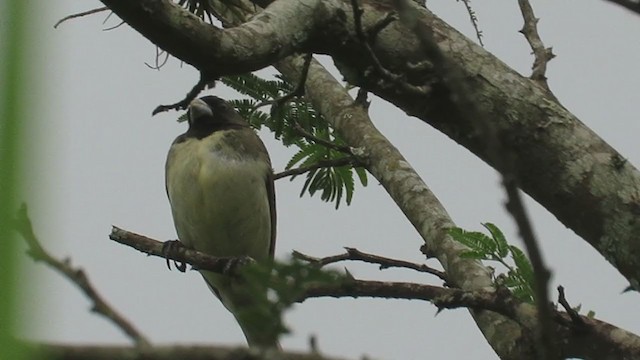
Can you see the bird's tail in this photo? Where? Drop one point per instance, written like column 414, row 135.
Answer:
column 251, row 309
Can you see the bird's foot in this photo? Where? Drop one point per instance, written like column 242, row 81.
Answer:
column 173, row 247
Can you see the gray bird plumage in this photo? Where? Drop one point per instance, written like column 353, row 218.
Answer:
column 220, row 185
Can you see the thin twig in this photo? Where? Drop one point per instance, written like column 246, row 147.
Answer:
column 191, row 95
column 353, row 254
column 398, row 80
column 80, row 14
column 345, row 161
column 575, row 317
column 296, row 92
column 77, row 276
column 158, row 64
column 299, row 89
column 340, row 148
column 114, row 26
column 541, row 54
column 474, row 20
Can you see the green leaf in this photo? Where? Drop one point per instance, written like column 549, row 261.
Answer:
column 476, row 241
column 349, row 185
column 502, row 248
column 334, row 185
column 254, row 86
column 473, row 255
column 362, row 175
column 522, row 264
column 303, row 153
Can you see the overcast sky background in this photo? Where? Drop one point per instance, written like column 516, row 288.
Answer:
column 98, row 159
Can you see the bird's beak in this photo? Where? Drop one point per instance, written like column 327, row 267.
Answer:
column 198, row 108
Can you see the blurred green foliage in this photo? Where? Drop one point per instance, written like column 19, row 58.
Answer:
column 13, row 70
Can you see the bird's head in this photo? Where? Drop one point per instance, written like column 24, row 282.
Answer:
column 211, row 112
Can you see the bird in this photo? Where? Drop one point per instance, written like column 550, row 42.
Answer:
column 220, row 185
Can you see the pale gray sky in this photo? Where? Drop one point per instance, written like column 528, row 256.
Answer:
column 100, row 161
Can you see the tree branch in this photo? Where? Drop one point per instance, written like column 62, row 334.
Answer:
column 502, row 157
column 633, row 5
column 80, row 14
column 265, row 38
column 357, row 255
column 345, row 161
column 198, row 260
column 78, row 277
column 328, row 144
column 604, row 340
column 170, row 352
column 542, row 55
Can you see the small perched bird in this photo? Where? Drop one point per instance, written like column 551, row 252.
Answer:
column 220, row 185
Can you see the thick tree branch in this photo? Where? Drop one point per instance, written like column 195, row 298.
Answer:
column 265, row 39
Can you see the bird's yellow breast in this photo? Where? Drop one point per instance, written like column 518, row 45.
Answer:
column 219, row 198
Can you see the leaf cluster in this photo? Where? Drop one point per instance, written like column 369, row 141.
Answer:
column 296, row 123
column 275, row 287
column 494, row 247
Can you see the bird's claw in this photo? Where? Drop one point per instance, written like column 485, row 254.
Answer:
column 171, row 247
